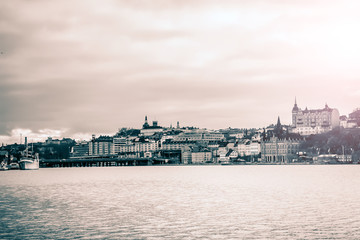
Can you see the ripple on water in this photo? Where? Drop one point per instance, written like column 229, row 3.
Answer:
column 252, row 202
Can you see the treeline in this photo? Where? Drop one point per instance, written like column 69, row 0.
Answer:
column 54, row 151
column 337, row 141
column 49, row 151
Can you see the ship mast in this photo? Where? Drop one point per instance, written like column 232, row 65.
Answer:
column 26, row 147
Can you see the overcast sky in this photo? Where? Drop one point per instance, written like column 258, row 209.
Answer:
column 73, row 68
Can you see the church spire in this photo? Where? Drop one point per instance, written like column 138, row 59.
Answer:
column 278, row 130
column 295, row 108
column 278, row 122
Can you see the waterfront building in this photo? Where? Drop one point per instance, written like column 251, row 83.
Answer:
column 248, row 147
column 227, row 156
column 243, row 147
column 81, row 149
column 255, row 148
column 195, row 155
column 186, row 155
column 139, row 148
column 203, row 156
column 307, row 122
column 101, row 146
column 276, row 150
column 120, row 142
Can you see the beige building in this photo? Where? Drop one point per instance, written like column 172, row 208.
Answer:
column 201, row 157
column 277, row 150
column 194, row 155
column 307, row 122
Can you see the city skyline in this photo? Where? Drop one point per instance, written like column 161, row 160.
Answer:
column 93, row 67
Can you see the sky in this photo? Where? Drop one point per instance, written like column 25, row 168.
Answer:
column 82, row 67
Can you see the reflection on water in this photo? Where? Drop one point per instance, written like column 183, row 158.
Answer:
column 177, row 202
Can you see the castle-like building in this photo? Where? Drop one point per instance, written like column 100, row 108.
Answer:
column 280, row 146
column 307, row 122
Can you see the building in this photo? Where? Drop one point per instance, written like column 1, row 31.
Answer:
column 255, row 148
column 81, row 149
column 119, row 143
column 195, row 155
column 353, row 121
column 50, row 140
column 355, row 115
column 307, row 122
column 148, row 130
column 176, row 145
column 203, row 156
column 138, row 147
column 277, row 150
column 348, row 122
column 199, row 135
column 101, row 146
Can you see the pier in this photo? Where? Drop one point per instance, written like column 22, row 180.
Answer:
column 100, row 162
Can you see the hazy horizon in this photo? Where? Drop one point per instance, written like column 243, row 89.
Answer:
column 74, row 69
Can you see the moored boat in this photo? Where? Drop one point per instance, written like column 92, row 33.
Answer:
column 29, row 162
column 4, row 166
column 14, row 165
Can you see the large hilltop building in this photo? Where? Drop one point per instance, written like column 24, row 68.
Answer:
column 307, row 122
column 148, row 130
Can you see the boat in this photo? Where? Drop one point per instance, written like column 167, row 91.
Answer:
column 4, row 166
column 29, row 161
column 14, row 165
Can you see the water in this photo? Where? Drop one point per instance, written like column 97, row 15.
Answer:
column 182, row 202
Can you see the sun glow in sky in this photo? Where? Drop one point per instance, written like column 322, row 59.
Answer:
column 73, row 69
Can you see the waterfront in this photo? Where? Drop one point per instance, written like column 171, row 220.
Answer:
column 182, row 202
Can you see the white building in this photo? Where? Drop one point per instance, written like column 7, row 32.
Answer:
column 138, row 147
column 255, row 148
column 307, row 122
column 199, row 135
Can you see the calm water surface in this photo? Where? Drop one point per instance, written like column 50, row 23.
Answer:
column 182, row 202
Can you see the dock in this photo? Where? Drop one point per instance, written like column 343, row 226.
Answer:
column 100, row 162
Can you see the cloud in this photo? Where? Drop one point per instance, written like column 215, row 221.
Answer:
column 95, row 66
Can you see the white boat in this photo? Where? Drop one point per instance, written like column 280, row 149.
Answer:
column 29, row 161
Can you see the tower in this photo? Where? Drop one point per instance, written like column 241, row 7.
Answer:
column 278, row 130
column 295, row 111
column 146, row 124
